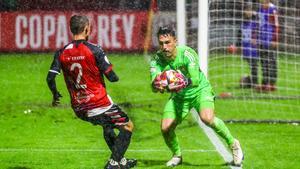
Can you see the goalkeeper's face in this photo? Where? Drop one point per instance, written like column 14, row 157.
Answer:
column 167, row 45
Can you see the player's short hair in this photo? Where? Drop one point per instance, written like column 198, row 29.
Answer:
column 77, row 23
column 248, row 6
column 166, row 30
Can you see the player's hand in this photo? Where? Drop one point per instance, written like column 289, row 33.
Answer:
column 180, row 83
column 159, row 84
column 274, row 45
column 254, row 42
column 56, row 99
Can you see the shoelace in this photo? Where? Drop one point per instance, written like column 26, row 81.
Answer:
column 123, row 161
column 113, row 162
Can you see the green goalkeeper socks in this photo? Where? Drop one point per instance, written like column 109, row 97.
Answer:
column 220, row 128
column 172, row 142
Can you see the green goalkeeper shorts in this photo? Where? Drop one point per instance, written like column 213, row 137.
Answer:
column 178, row 108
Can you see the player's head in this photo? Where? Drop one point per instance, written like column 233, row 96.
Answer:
column 248, row 12
column 79, row 25
column 167, row 42
column 265, row 1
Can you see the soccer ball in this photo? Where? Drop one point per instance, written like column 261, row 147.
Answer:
column 172, row 79
column 169, row 76
column 232, row 49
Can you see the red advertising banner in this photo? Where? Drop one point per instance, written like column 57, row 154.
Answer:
column 49, row 30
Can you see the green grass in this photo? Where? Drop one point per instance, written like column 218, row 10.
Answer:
column 54, row 138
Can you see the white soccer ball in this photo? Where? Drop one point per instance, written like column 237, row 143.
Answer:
column 171, row 78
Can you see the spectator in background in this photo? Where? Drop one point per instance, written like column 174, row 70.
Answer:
column 268, row 44
column 249, row 46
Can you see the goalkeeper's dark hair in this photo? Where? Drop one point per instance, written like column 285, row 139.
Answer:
column 166, row 30
column 77, row 23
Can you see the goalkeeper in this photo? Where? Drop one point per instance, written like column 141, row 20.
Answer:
column 193, row 91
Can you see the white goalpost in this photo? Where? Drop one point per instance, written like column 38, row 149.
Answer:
column 181, row 18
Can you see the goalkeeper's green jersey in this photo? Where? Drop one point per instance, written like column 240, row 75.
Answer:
column 186, row 62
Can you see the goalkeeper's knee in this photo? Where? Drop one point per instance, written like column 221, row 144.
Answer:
column 207, row 116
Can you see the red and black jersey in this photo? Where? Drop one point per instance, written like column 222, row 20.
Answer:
column 83, row 65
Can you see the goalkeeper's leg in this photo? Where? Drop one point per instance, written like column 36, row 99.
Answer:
column 168, row 127
column 207, row 116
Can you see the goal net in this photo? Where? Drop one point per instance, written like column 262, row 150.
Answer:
column 229, row 71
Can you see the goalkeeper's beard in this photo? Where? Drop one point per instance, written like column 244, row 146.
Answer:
column 167, row 53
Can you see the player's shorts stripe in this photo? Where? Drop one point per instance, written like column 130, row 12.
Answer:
column 115, row 116
column 98, row 111
column 54, row 71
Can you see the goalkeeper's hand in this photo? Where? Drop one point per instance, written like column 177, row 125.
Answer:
column 159, row 84
column 179, row 84
column 56, row 99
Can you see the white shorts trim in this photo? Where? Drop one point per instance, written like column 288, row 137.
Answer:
column 100, row 110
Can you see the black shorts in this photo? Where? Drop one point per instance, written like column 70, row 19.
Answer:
column 113, row 117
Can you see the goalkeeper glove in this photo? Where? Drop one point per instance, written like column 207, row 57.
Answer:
column 56, row 99
column 159, row 84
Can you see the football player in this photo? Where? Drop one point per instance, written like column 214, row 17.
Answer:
column 84, row 66
column 195, row 93
column 268, row 44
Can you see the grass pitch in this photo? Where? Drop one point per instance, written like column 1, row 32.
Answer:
column 34, row 135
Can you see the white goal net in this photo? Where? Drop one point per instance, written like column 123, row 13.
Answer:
column 227, row 64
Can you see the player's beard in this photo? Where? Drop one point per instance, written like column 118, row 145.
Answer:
column 168, row 56
column 167, row 53
column 87, row 38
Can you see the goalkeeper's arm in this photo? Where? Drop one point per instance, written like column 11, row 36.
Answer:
column 193, row 69
column 155, row 72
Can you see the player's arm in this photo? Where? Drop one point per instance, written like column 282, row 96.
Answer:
column 276, row 26
column 191, row 58
column 254, row 33
column 105, row 66
column 54, row 70
column 155, row 72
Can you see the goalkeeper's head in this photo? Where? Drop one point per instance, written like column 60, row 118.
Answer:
column 167, row 42
column 80, row 27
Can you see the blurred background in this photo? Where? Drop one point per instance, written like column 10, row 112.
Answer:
column 37, row 25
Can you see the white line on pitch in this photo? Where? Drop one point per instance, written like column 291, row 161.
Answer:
column 222, row 150
column 91, row 150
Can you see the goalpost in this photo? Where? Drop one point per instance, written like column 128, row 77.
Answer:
column 202, row 46
column 212, row 26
